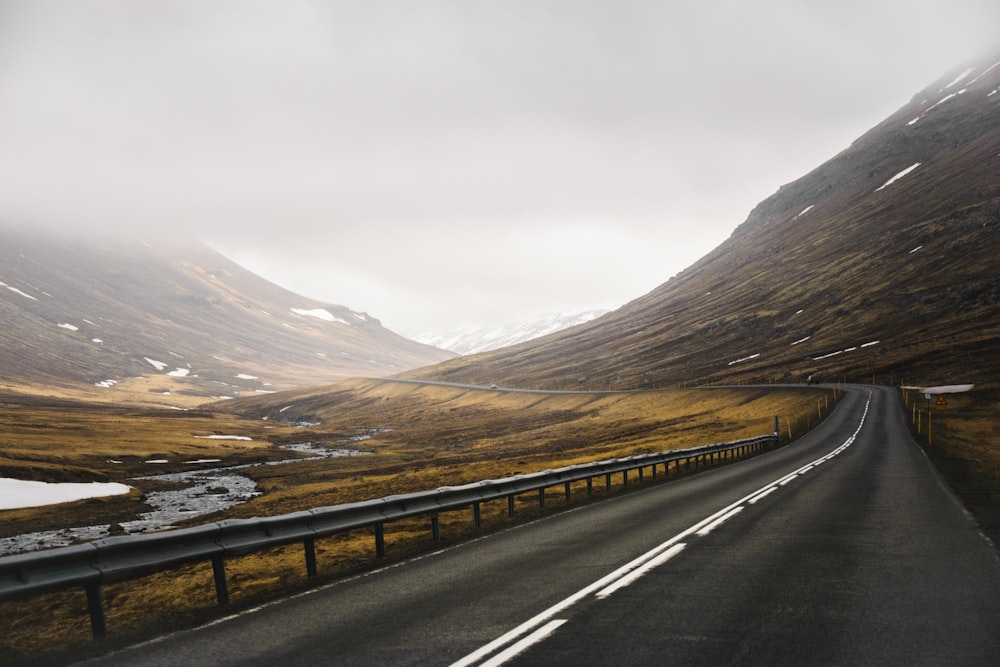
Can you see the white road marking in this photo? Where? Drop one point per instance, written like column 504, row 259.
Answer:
column 761, row 496
column 633, row 569
column 535, row 637
column 638, row 572
column 718, row 522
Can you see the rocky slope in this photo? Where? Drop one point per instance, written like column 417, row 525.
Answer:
column 880, row 263
column 96, row 313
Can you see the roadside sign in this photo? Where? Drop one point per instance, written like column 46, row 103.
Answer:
column 940, row 403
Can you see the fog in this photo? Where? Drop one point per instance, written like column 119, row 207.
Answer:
column 442, row 164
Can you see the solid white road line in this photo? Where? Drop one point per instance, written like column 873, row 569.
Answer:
column 634, row 569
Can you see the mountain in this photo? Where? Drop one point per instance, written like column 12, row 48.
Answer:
column 471, row 341
column 882, row 262
column 98, row 314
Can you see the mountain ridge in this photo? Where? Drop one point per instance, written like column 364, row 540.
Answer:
column 877, row 263
column 84, row 311
column 485, row 338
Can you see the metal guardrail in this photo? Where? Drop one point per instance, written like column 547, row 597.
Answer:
column 109, row 559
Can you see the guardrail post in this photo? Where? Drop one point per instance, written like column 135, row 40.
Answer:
column 541, row 498
column 435, row 527
column 607, row 482
column 640, row 474
column 625, row 479
column 219, row 572
column 590, row 486
column 310, row 549
column 95, row 605
column 476, row 517
column 380, row 540
column 654, row 470
column 569, row 494
column 510, row 505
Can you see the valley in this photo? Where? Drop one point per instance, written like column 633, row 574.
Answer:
column 216, row 395
column 414, row 436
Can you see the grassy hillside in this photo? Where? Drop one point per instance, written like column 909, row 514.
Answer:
column 866, row 268
column 421, row 437
column 99, row 318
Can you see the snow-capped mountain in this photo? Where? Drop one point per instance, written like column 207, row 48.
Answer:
column 471, row 341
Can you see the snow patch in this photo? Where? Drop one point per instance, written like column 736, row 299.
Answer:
column 107, row 384
column 741, row 360
column 223, row 437
column 806, row 210
column 17, row 291
column 915, row 249
column 244, row 376
column 179, row 372
column 898, row 176
column 801, row 340
column 17, row 493
column 68, row 326
column 960, row 77
column 847, row 349
column 320, row 313
column 937, row 104
column 158, row 365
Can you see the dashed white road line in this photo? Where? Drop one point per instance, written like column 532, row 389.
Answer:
column 718, row 522
column 631, row 571
column 643, row 569
column 519, row 647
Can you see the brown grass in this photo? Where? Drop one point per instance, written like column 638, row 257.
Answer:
column 433, row 436
column 965, row 447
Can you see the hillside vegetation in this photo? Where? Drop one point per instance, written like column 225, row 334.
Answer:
column 417, row 436
column 879, row 265
column 105, row 318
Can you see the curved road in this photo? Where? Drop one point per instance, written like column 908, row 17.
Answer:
column 844, row 548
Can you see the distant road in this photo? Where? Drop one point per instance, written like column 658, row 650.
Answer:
column 844, row 548
column 461, row 385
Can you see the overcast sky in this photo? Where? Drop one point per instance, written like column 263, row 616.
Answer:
column 449, row 163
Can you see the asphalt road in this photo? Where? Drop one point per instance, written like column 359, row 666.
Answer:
column 844, row 548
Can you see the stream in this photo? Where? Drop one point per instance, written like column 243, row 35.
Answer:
column 204, row 491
